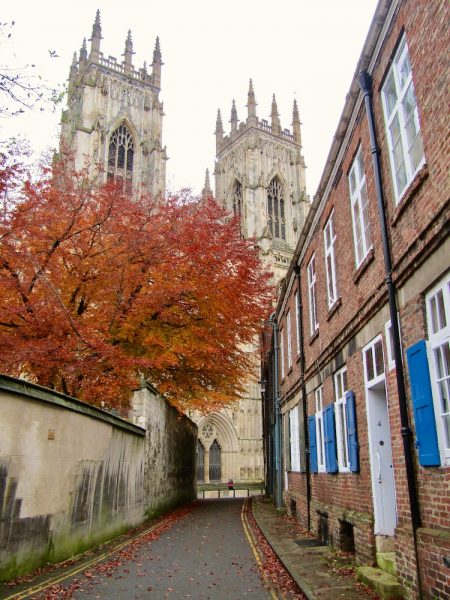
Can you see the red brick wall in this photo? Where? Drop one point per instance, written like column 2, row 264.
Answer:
column 417, row 226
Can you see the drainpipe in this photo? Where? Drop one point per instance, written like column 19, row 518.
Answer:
column 365, row 81
column 276, row 398
column 304, row 400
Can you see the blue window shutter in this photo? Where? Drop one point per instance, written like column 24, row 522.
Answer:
column 422, row 400
column 352, row 436
column 312, row 444
column 329, row 434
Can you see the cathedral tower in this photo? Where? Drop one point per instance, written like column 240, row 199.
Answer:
column 260, row 175
column 114, row 116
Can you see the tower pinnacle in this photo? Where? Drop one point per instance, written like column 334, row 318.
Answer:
column 219, row 131
column 96, row 36
column 128, row 54
column 234, row 117
column 219, row 126
column 83, row 52
column 251, row 105
column 206, row 191
column 276, row 126
column 156, row 64
column 296, row 124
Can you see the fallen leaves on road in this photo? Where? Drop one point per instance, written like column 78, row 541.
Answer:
column 109, row 566
column 273, row 570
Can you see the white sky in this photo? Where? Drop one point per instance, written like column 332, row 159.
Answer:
column 306, row 49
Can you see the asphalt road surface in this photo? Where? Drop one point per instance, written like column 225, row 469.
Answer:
column 204, row 555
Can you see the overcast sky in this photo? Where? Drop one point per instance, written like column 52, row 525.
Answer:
column 306, row 49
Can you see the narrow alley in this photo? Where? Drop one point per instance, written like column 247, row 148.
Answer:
column 203, row 553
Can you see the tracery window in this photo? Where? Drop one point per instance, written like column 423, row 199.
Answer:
column 237, row 199
column 275, row 209
column 121, row 156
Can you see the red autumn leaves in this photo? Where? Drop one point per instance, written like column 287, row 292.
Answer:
column 97, row 290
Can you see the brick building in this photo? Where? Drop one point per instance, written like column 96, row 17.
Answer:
column 363, row 399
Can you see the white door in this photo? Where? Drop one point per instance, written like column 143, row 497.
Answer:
column 380, row 448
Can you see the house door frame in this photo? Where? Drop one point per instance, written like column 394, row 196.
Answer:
column 379, row 439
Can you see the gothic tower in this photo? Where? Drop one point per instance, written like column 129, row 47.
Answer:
column 260, row 176
column 114, row 116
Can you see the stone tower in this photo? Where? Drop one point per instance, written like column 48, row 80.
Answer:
column 114, row 116
column 260, row 176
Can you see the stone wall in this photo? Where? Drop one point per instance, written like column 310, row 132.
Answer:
column 170, row 455
column 72, row 475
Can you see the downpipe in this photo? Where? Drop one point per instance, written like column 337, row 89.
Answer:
column 276, row 394
column 304, row 400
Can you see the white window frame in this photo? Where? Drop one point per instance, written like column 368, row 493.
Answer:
column 313, row 320
column 294, row 439
column 340, row 388
column 438, row 343
column 320, row 437
column 389, row 343
column 369, row 354
column 401, row 118
column 359, row 202
column 297, row 320
column 289, row 338
column 282, row 352
column 329, row 239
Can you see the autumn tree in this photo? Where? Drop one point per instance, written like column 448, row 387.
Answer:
column 97, row 290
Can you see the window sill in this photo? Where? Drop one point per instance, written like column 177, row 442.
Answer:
column 334, row 308
column 409, row 193
column 314, row 336
column 363, row 266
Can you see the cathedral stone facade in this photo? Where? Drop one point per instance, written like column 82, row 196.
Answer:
column 113, row 124
column 260, row 176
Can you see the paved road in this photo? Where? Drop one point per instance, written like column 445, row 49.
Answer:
column 204, row 555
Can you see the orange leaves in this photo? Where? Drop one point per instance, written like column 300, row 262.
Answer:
column 98, row 289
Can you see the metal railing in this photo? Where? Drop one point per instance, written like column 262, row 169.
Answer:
column 221, row 491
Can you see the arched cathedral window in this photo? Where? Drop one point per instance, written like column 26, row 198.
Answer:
column 121, row 156
column 237, row 198
column 275, row 209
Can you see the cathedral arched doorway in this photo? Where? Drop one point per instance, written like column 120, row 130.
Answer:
column 200, row 462
column 215, row 462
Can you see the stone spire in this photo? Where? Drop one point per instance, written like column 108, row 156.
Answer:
column 83, row 52
column 96, row 37
column 234, row 117
column 128, row 54
column 251, row 105
column 207, row 191
column 275, row 118
column 296, row 124
column 156, row 64
column 73, row 72
column 73, row 67
column 219, row 131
